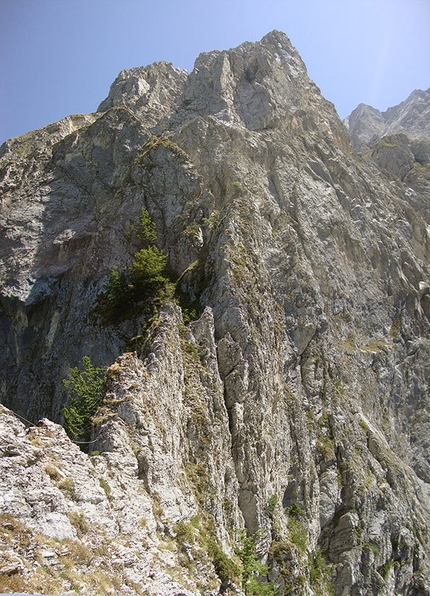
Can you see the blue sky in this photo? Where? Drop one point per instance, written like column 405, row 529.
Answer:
column 59, row 57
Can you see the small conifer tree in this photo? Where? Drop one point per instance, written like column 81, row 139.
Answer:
column 146, row 229
column 85, row 388
column 253, row 570
column 148, row 267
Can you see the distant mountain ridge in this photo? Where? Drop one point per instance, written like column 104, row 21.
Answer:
column 398, row 142
column 367, row 124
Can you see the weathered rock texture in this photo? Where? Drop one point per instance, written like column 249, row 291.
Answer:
column 296, row 406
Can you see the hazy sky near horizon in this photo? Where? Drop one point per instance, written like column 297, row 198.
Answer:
column 59, row 57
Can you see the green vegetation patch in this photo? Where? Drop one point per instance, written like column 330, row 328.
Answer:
column 320, row 574
column 192, row 535
column 142, row 288
column 254, row 572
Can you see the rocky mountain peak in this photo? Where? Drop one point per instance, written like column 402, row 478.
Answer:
column 249, row 85
column 258, row 85
column 256, row 297
column 149, row 91
column 366, row 124
column 397, row 141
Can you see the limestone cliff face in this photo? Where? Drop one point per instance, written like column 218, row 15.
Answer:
column 295, row 406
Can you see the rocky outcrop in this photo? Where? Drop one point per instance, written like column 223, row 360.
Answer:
column 119, row 520
column 294, row 405
column 151, row 92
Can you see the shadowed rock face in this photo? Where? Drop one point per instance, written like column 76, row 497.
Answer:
column 296, row 405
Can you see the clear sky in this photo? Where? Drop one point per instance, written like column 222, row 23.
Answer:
column 59, row 57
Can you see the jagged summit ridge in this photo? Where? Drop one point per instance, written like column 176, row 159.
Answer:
column 281, row 389
column 256, row 85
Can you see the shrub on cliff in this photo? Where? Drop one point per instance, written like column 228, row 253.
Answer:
column 85, row 388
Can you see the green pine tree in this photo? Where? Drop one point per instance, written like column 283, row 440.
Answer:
column 85, row 388
column 146, row 229
column 148, row 267
column 253, row 570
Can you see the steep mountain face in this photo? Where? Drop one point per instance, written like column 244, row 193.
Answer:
column 295, row 404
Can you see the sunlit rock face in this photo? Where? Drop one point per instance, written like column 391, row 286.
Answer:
column 294, row 405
